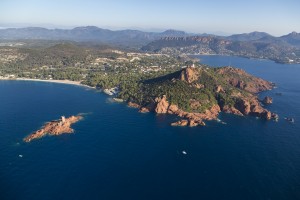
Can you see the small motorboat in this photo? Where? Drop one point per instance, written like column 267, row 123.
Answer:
column 290, row 119
column 184, row 152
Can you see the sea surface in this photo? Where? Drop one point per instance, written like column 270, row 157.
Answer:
column 118, row 153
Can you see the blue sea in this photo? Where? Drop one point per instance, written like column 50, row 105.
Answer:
column 118, row 153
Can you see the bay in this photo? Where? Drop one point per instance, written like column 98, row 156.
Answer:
column 118, row 153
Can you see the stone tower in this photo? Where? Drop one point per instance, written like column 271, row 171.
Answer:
column 63, row 119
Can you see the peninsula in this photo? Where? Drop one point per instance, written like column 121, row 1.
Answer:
column 56, row 127
column 200, row 93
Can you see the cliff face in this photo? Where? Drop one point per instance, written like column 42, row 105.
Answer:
column 244, row 81
column 252, row 106
column 162, row 105
column 194, row 119
column 189, row 74
column 56, row 127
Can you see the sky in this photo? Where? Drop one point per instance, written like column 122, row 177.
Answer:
column 277, row 17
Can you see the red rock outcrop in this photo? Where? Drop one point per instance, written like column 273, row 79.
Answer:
column 162, row 105
column 144, row 110
column 236, row 77
column 267, row 100
column 258, row 110
column 182, row 122
column 189, row 74
column 249, row 106
column 56, row 127
column 219, row 89
column 193, row 123
column 133, row 105
column 213, row 112
column 188, row 122
column 243, row 106
column 232, row 110
column 194, row 119
column 189, row 119
column 173, row 109
column 266, row 115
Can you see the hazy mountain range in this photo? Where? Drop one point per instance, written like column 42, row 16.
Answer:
column 284, row 49
column 255, row 44
column 125, row 37
column 88, row 34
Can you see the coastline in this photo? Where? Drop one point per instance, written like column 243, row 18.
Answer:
column 49, row 81
column 248, row 57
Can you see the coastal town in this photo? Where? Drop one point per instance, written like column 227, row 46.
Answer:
column 35, row 66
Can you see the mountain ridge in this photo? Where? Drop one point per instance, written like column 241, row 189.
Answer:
column 281, row 50
column 123, row 37
column 127, row 37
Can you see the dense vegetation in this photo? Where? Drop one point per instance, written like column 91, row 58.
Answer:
column 140, row 77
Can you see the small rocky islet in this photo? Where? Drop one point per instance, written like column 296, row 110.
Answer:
column 55, row 127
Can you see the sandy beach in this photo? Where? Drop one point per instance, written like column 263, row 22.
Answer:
column 50, row 81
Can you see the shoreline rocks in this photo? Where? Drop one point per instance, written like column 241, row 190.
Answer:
column 228, row 89
column 182, row 122
column 162, row 104
column 249, row 106
column 267, row 100
column 243, row 106
column 133, row 105
column 254, row 85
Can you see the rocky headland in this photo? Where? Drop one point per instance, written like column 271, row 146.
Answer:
column 55, row 127
column 197, row 94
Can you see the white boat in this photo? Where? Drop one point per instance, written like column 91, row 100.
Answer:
column 184, row 152
column 289, row 119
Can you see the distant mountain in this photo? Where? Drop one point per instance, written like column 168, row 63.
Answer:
column 131, row 38
column 178, row 42
column 172, row 32
column 292, row 38
column 248, row 36
column 255, row 44
column 268, row 47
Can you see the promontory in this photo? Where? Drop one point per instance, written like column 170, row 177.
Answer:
column 196, row 94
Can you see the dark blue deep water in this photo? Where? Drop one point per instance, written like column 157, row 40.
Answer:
column 118, row 153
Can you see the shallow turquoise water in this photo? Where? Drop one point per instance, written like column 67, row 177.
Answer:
column 118, row 153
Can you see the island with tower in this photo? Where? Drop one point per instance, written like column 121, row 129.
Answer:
column 55, row 127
